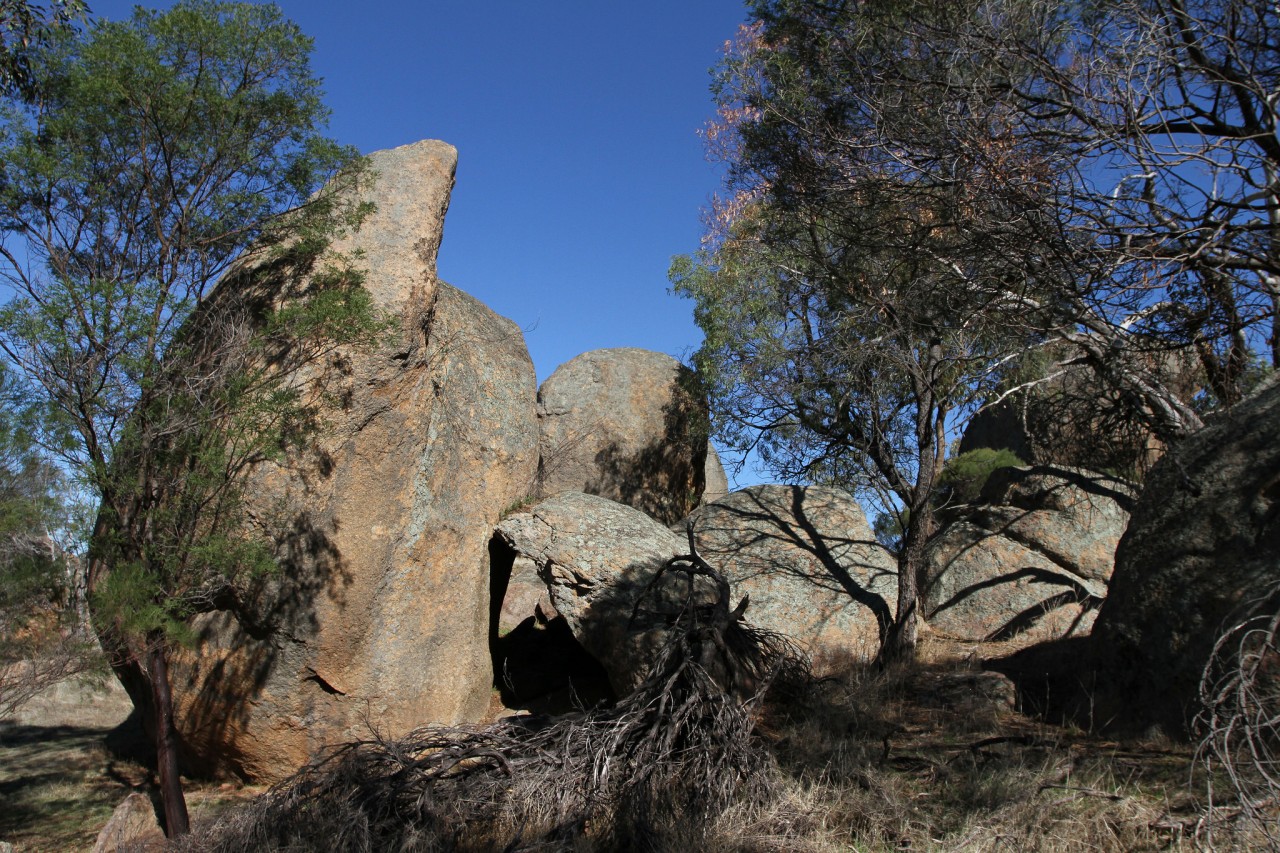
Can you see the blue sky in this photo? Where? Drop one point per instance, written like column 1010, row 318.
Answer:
column 580, row 169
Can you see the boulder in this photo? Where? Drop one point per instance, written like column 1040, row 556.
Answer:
column 524, row 596
column 133, row 826
column 379, row 615
column 1031, row 560
column 715, row 481
column 809, row 562
column 1204, row 542
column 629, row 425
column 597, row 557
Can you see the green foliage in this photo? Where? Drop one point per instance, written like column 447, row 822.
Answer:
column 889, row 528
column 25, row 27
column 32, row 572
column 966, row 473
column 168, row 153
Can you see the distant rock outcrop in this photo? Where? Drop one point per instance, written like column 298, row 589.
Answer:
column 629, row 425
column 597, row 557
column 1032, row 560
column 1075, row 420
column 380, row 614
column 809, row 562
column 1204, row 542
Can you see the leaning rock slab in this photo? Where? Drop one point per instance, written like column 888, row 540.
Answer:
column 1032, row 561
column 1204, row 542
column 597, row 557
column 629, row 425
column 809, row 562
column 379, row 615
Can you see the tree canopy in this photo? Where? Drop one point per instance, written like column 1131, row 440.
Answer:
column 919, row 194
column 26, row 27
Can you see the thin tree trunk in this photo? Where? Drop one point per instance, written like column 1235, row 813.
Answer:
column 903, row 636
column 176, row 820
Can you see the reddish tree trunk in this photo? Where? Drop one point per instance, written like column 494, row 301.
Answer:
column 176, row 821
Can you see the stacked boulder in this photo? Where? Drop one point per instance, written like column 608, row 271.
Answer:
column 803, row 559
column 380, row 611
column 397, row 603
column 386, row 607
column 629, row 425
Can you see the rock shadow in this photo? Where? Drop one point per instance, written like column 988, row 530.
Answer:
column 998, row 516
column 761, row 530
column 539, row 666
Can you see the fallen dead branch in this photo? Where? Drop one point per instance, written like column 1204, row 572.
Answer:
column 1240, row 722
column 650, row 773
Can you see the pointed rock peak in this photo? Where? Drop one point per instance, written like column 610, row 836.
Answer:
column 401, row 238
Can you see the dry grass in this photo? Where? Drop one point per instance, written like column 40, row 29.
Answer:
column 917, row 758
column 929, row 757
column 922, row 759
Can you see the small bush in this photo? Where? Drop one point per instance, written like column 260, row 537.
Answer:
column 966, row 473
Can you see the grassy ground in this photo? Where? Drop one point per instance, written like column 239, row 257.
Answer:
column 932, row 757
column 65, row 765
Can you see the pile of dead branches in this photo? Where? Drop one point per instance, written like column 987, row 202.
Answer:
column 1240, row 724
column 650, row 773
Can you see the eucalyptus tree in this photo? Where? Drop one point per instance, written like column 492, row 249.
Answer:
column 25, row 27
column 168, row 184
column 871, row 278
column 918, row 191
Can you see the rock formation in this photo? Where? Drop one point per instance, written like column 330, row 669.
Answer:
column 1204, row 541
column 597, row 557
column 380, row 613
column 1032, row 560
column 809, row 562
column 629, row 425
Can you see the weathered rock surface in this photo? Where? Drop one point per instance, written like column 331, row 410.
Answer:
column 597, row 557
column 1204, row 540
column 715, row 481
column 525, row 595
column 1032, row 560
column 132, row 827
column 809, row 562
column 629, row 425
column 380, row 614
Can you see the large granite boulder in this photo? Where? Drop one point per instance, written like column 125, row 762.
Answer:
column 597, row 558
column 1204, row 542
column 629, row 425
column 1031, row 560
column 809, row 562
column 379, row 615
